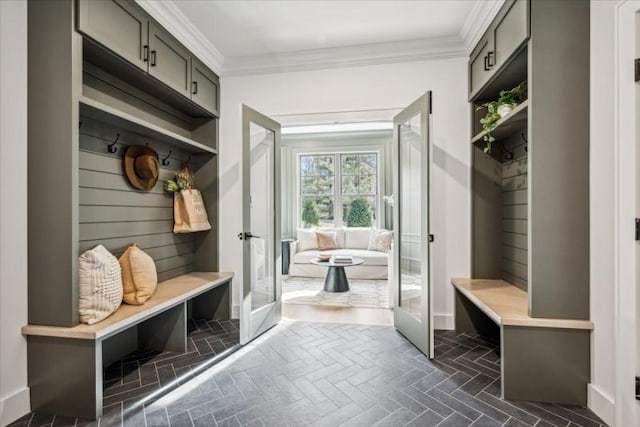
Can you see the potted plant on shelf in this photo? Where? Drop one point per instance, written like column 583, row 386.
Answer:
column 496, row 110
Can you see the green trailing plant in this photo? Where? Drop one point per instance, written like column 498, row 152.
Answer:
column 310, row 214
column 359, row 214
column 490, row 120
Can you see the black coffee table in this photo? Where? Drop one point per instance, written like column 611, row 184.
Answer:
column 336, row 280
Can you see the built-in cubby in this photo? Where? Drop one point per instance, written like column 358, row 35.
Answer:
column 89, row 100
column 530, row 198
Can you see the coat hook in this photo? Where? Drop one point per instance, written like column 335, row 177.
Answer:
column 165, row 161
column 112, row 147
column 188, row 158
column 508, row 155
column 524, row 138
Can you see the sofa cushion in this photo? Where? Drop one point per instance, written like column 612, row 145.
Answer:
column 357, row 237
column 307, row 239
column 369, row 257
column 339, row 234
column 326, row 240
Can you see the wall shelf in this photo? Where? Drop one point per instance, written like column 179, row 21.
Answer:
column 98, row 111
column 506, row 126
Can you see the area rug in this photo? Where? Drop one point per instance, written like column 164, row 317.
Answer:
column 308, row 291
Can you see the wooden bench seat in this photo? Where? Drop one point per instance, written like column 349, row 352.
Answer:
column 66, row 363
column 507, row 304
column 534, row 351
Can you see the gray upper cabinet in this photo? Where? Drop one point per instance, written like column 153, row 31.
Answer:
column 511, row 30
column 169, row 61
column 119, row 25
column 205, row 86
column 479, row 65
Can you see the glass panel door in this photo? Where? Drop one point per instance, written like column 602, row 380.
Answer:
column 412, row 312
column 261, row 303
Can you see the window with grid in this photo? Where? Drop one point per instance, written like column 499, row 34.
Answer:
column 335, row 180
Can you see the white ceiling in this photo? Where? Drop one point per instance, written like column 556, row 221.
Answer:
column 263, row 36
column 241, row 28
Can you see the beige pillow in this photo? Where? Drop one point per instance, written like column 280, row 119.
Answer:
column 139, row 276
column 100, row 285
column 307, row 239
column 326, row 240
column 380, row 240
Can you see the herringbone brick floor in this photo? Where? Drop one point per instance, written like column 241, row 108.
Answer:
column 322, row 374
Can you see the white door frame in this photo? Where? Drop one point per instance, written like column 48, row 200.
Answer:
column 627, row 408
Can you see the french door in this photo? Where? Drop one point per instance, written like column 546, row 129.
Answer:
column 412, row 257
column 261, row 304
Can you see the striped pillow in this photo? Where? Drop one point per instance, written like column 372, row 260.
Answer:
column 100, row 287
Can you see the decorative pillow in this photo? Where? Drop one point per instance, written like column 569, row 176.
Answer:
column 380, row 240
column 339, row 234
column 326, row 240
column 139, row 276
column 307, row 239
column 100, row 285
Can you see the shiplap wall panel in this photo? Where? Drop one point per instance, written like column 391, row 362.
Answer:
column 116, row 215
column 515, row 218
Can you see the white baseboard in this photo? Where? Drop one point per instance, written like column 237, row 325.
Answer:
column 14, row 406
column 235, row 311
column 443, row 321
column 601, row 404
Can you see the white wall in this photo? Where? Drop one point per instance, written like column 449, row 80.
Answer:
column 14, row 394
column 381, row 87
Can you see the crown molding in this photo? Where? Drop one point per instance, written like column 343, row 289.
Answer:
column 347, row 56
column 478, row 21
column 172, row 18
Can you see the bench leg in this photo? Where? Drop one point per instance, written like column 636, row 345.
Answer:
column 545, row 364
column 166, row 331
column 469, row 318
column 65, row 376
column 214, row 304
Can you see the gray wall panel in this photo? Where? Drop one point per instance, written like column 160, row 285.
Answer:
column 114, row 214
column 515, row 217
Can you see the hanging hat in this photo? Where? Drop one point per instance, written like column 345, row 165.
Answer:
column 141, row 167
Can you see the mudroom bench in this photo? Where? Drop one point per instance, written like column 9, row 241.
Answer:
column 66, row 364
column 542, row 359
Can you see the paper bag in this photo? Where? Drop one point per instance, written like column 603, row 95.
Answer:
column 189, row 212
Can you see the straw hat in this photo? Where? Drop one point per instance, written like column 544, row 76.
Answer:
column 141, row 167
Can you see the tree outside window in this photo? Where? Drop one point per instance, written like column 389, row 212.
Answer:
column 352, row 185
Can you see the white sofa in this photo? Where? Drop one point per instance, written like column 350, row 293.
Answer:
column 352, row 241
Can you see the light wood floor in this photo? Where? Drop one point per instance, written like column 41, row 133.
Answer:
column 332, row 314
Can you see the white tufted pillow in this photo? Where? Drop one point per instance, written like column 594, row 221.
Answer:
column 100, row 287
column 380, row 240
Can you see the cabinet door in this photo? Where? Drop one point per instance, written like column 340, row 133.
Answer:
column 479, row 65
column 119, row 25
column 204, row 86
column 511, row 29
column 169, row 61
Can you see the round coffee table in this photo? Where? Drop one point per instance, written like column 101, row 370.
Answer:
column 336, row 280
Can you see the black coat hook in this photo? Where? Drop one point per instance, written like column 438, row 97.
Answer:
column 165, row 161
column 188, row 158
column 112, row 147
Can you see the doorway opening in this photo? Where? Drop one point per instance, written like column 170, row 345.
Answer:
column 336, row 203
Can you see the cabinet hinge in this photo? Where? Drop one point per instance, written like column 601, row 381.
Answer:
column 637, row 69
column 637, row 228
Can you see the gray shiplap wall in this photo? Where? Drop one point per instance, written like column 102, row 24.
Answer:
column 515, row 216
column 116, row 215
